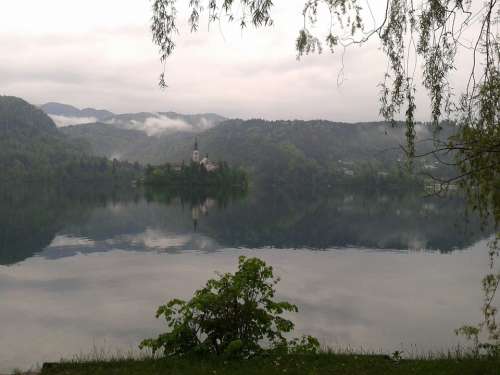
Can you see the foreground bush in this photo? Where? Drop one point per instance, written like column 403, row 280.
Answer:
column 232, row 315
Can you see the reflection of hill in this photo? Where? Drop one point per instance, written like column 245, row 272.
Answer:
column 31, row 215
column 106, row 218
column 391, row 220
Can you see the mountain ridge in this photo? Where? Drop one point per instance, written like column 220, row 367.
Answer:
column 151, row 123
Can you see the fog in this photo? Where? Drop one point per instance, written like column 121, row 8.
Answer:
column 158, row 124
column 62, row 121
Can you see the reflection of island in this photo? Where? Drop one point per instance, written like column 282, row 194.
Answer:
column 201, row 209
column 57, row 222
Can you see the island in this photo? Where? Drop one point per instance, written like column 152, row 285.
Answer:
column 199, row 173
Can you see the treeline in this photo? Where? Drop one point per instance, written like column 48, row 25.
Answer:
column 92, row 169
column 196, row 175
column 67, row 169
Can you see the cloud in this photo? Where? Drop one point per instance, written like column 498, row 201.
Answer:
column 110, row 62
column 63, row 240
column 62, row 121
column 158, row 125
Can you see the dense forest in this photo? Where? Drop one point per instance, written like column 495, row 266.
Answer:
column 278, row 152
column 196, row 175
column 33, row 148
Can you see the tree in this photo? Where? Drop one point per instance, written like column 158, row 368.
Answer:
column 231, row 315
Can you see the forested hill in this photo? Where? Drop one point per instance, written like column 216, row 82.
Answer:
column 275, row 151
column 17, row 115
column 301, row 151
column 32, row 147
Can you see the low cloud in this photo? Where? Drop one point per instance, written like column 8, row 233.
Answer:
column 158, row 125
column 62, row 121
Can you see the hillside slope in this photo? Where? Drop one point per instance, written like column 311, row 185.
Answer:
column 30, row 143
column 33, row 148
column 275, row 151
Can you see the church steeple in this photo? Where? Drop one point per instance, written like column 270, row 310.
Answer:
column 196, row 153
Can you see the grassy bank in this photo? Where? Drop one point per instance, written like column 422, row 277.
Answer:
column 338, row 364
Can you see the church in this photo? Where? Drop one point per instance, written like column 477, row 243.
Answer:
column 209, row 165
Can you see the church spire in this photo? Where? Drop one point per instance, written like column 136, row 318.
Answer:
column 196, row 153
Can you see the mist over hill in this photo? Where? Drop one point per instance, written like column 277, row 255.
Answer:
column 64, row 114
column 151, row 123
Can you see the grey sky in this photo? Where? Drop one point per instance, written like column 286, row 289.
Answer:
column 99, row 53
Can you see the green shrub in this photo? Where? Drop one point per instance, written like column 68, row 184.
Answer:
column 234, row 315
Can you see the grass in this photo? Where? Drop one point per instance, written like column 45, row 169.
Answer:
column 314, row 364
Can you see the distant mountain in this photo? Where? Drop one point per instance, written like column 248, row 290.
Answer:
column 151, row 123
column 65, row 110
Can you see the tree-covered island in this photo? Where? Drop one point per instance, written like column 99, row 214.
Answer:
column 198, row 173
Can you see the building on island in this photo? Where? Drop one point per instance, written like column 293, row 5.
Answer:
column 196, row 153
column 206, row 162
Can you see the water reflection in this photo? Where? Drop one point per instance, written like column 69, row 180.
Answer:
column 63, row 221
column 91, row 264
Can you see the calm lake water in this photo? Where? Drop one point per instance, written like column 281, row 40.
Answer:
column 84, row 268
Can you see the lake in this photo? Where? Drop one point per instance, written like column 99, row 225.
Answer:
column 84, row 268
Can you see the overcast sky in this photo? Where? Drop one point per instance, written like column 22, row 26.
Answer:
column 97, row 53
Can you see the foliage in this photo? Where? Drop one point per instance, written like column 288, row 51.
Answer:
column 478, row 148
column 196, row 174
column 485, row 336
column 231, row 316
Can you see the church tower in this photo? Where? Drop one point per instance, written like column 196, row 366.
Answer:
column 196, row 153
